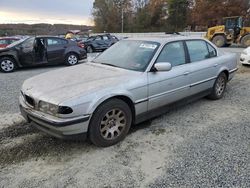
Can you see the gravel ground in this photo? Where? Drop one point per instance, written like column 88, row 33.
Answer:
column 203, row 144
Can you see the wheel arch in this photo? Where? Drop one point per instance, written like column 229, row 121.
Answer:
column 122, row 97
column 12, row 57
column 71, row 52
column 224, row 71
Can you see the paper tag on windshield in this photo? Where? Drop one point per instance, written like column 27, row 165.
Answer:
column 149, row 46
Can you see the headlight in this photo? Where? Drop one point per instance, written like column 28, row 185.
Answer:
column 52, row 109
column 244, row 52
column 48, row 108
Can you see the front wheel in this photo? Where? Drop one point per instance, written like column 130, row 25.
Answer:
column 219, row 40
column 7, row 64
column 219, row 87
column 71, row 59
column 110, row 123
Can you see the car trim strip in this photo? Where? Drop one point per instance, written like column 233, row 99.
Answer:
column 167, row 92
column 141, row 101
column 233, row 70
column 203, row 81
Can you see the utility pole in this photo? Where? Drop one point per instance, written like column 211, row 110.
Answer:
column 122, row 19
column 122, row 3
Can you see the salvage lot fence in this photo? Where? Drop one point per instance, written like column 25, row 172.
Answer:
column 156, row 34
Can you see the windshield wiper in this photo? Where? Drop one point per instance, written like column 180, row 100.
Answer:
column 109, row 64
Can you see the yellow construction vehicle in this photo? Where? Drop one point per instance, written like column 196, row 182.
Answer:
column 232, row 32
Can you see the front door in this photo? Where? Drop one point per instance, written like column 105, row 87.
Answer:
column 167, row 87
column 27, row 52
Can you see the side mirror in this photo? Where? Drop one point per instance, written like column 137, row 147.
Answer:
column 163, row 66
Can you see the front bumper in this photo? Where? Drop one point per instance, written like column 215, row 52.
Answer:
column 245, row 59
column 65, row 128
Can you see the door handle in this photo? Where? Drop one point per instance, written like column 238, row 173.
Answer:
column 186, row 73
column 215, row 65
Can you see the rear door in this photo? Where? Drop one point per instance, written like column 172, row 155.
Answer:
column 99, row 43
column 56, row 48
column 204, row 63
column 167, row 87
column 107, row 41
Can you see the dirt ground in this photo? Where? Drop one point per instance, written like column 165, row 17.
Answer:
column 203, row 144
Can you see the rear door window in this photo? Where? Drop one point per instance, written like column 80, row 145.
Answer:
column 198, row 50
column 54, row 41
column 105, row 38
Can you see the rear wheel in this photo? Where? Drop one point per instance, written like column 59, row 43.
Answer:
column 90, row 49
column 7, row 64
column 110, row 123
column 219, row 40
column 245, row 41
column 219, row 87
column 71, row 59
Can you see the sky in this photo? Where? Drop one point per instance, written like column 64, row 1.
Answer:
column 46, row 11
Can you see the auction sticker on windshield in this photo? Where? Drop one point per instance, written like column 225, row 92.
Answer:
column 149, row 46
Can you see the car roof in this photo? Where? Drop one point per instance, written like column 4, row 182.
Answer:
column 166, row 39
column 11, row 38
column 48, row 36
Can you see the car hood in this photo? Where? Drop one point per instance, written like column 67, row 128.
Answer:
column 247, row 50
column 66, row 83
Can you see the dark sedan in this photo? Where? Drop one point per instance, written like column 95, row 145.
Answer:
column 99, row 42
column 41, row 50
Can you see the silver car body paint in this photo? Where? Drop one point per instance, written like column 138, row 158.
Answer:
column 84, row 87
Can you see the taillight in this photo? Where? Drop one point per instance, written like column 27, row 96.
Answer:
column 80, row 45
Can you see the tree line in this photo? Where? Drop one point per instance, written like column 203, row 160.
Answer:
column 164, row 15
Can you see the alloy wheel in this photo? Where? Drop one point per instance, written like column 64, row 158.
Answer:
column 113, row 124
column 220, row 86
column 7, row 65
column 72, row 60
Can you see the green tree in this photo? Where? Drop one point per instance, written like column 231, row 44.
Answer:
column 177, row 14
column 107, row 15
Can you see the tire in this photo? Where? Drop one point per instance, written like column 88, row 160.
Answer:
column 105, row 128
column 7, row 64
column 219, row 87
column 227, row 45
column 90, row 49
column 71, row 59
column 245, row 41
column 219, row 40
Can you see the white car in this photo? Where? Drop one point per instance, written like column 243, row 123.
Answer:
column 245, row 57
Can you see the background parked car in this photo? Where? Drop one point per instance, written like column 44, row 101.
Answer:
column 245, row 57
column 5, row 41
column 99, row 42
column 41, row 50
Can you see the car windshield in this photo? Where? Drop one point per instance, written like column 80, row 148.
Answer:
column 129, row 54
column 16, row 42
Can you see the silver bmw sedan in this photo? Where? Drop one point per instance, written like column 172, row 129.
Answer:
column 132, row 81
